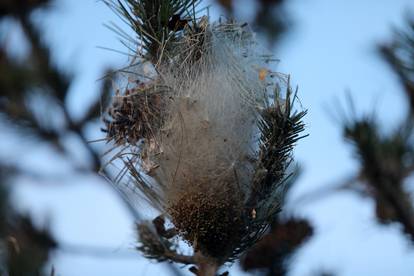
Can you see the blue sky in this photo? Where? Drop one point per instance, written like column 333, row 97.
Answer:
column 330, row 49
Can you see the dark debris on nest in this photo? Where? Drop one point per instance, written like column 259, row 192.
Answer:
column 135, row 115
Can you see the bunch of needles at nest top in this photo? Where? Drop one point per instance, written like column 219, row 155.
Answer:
column 217, row 129
column 156, row 23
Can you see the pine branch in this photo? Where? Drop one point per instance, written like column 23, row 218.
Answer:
column 156, row 23
column 385, row 165
column 399, row 54
column 280, row 130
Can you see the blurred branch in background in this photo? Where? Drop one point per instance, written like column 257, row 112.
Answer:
column 386, row 158
column 399, row 55
column 24, row 82
column 385, row 164
column 24, row 248
column 36, row 77
column 271, row 255
column 271, row 17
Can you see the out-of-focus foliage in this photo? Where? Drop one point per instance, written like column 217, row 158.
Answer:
column 386, row 162
column 20, row 7
column 24, row 246
column 271, row 17
column 36, row 76
column 399, row 54
column 272, row 253
column 28, row 247
column 387, row 159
